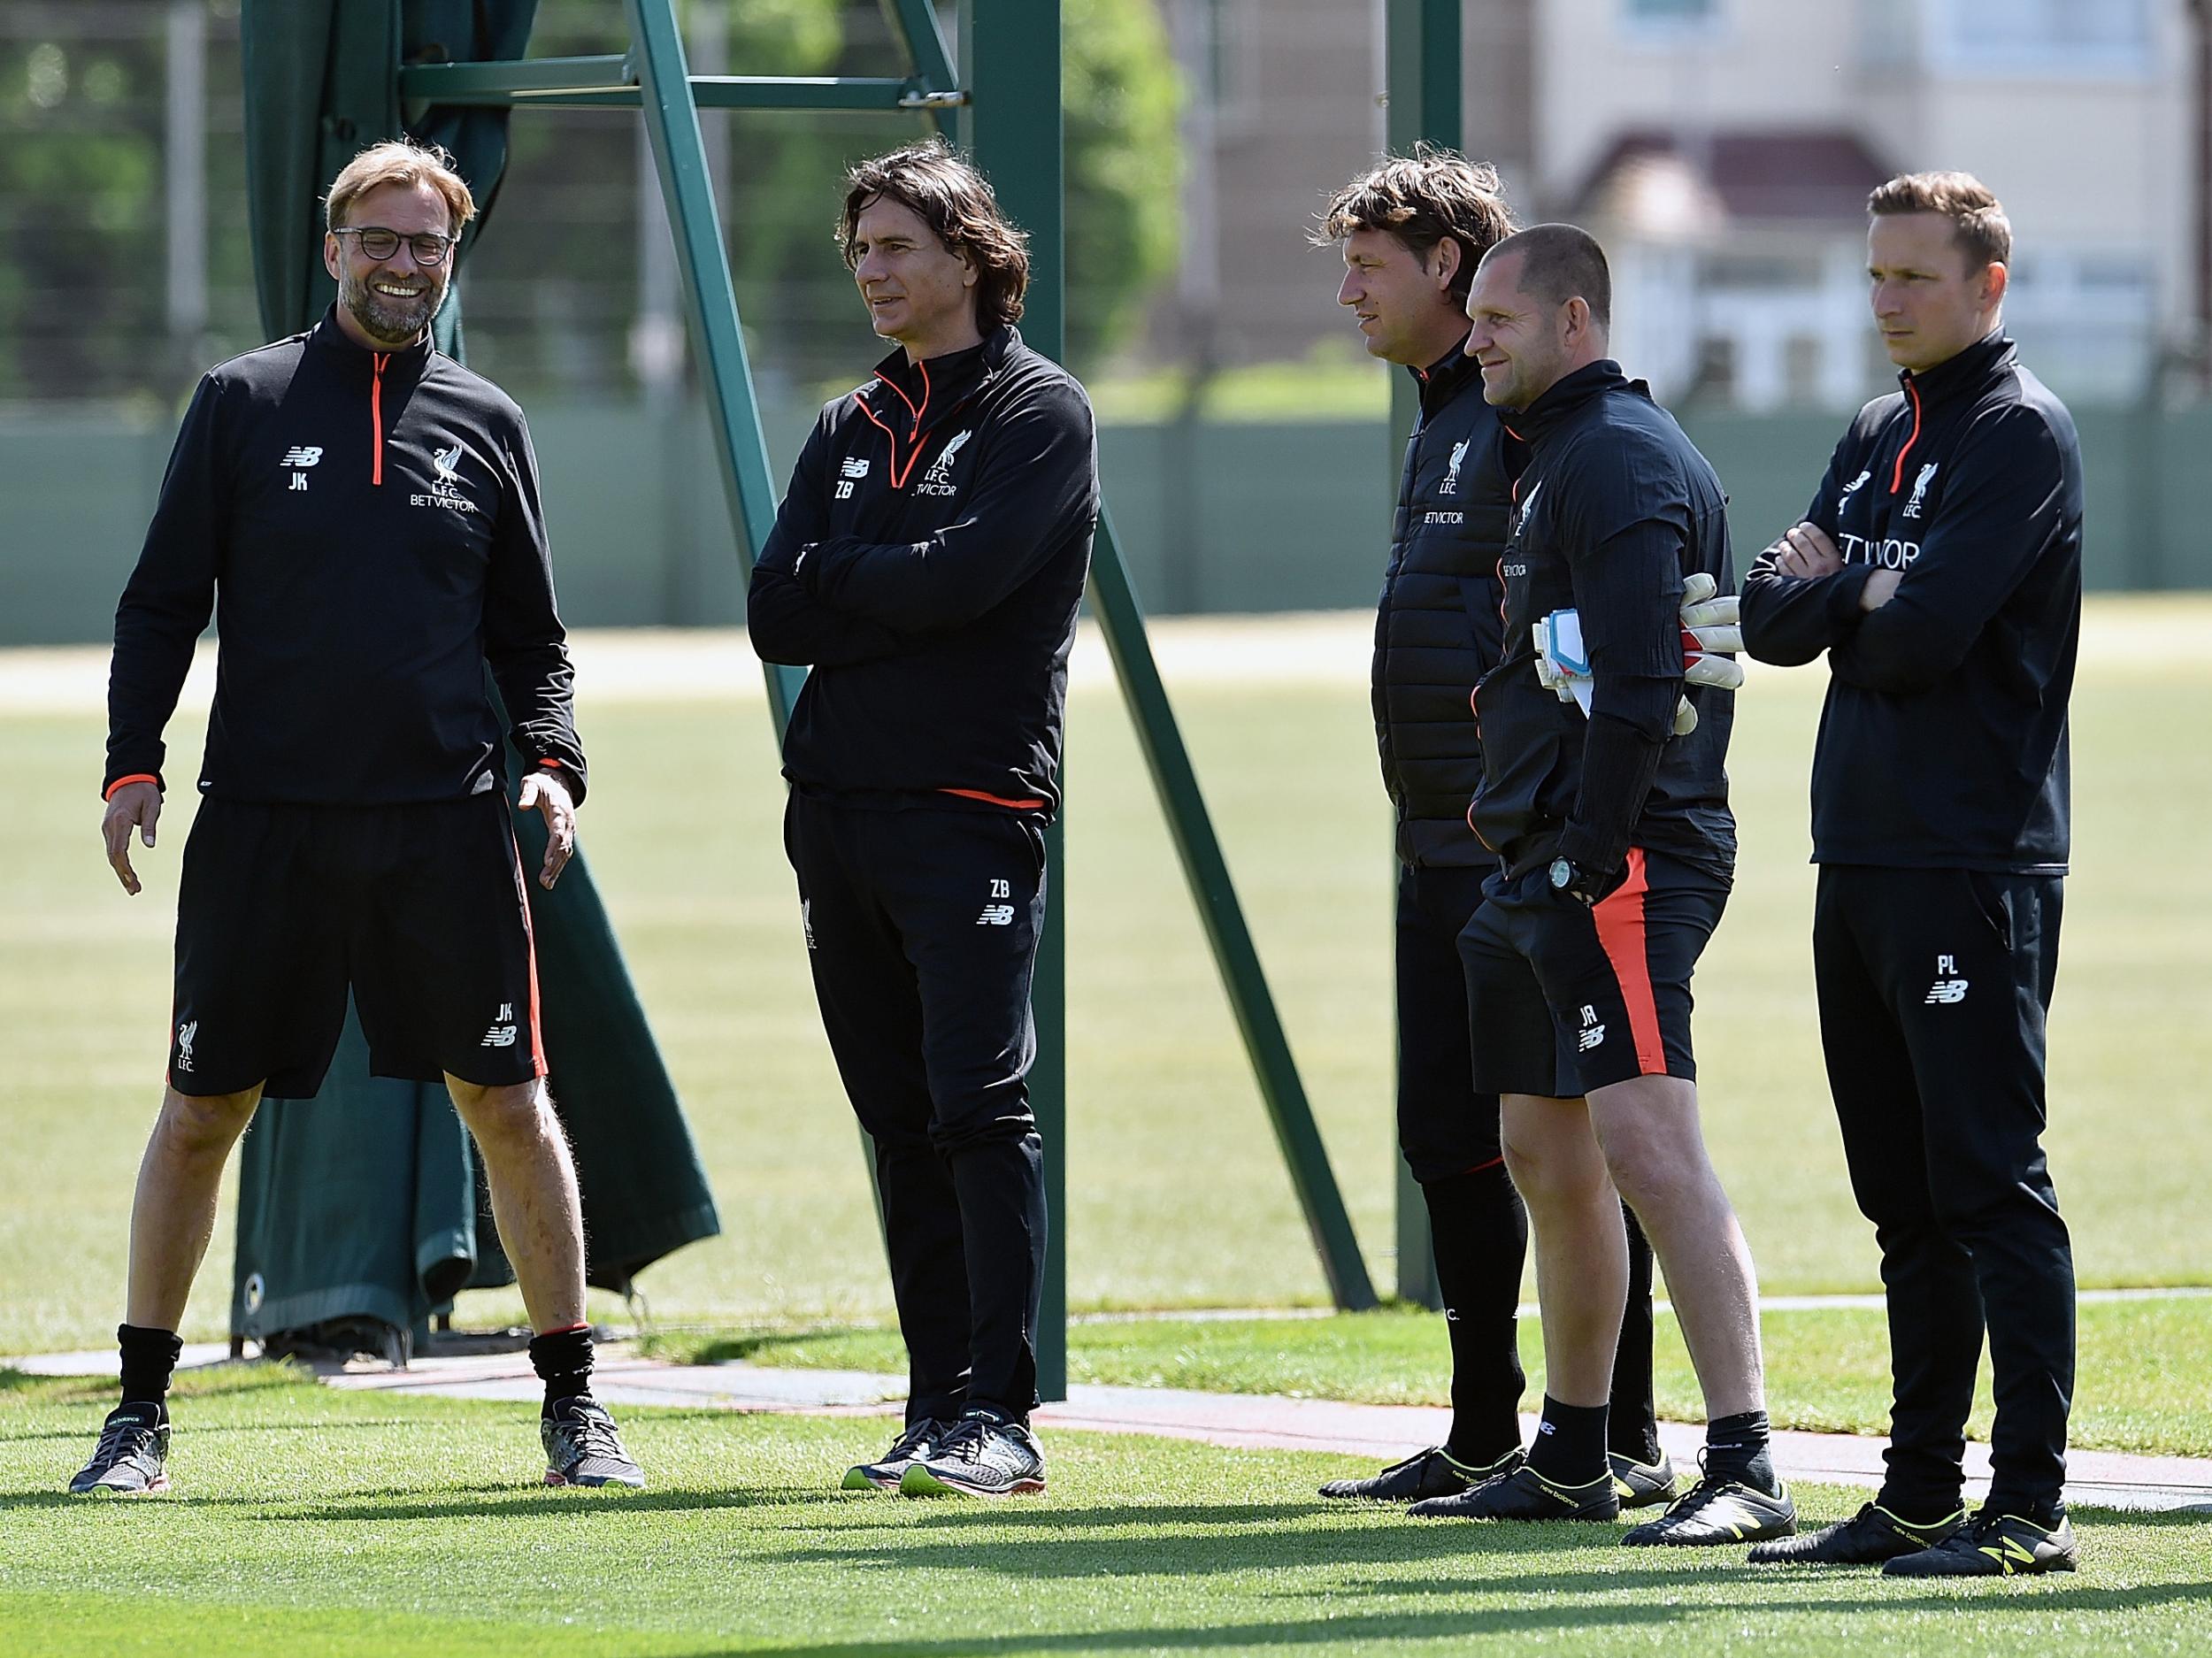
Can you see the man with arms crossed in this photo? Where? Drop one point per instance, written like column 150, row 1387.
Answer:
column 364, row 512
column 1616, row 850
column 1412, row 230
column 1939, row 567
column 927, row 562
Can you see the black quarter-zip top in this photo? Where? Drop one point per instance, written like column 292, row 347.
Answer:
column 366, row 529
column 926, row 563
column 1943, row 742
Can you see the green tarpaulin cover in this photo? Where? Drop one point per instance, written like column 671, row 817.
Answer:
column 364, row 1206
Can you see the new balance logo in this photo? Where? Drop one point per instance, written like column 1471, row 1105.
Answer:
column 996, row 916
column 1948, row 988
column 300, row 456
column 938, row 479
column 852, row 466
column 186, row 1032
column 502, row 1030
column 1590, row 1039
column 806, row 921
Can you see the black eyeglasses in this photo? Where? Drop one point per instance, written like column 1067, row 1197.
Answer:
column 377, row 242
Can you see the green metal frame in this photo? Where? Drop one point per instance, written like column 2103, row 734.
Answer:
column 1006, row 102
column 1422, row 50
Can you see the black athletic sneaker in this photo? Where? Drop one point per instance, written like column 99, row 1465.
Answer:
column 1992, row 1546
column 1525, row 1494
column 1435, row 1472
column 1640, row 1485
column 131, row 1458
column 914, row 1442
column 582, row 1448
column 984, row 1454
column 1716, row 1511
column 1867, row 1539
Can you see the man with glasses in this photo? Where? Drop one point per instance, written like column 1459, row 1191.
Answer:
column 365, row 512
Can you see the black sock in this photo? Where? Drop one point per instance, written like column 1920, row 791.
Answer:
column 562, row 1359
column 149, row 1359
column 1480, row 1235
column 1570, row 1448
column 1632, row 1430
column 1736, row 1448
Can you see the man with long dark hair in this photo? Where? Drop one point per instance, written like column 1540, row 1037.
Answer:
column 926, row 563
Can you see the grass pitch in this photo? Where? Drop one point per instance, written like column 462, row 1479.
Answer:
column 306, row 1521
column 1177, row 1197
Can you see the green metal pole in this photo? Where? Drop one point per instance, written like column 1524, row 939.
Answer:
column 1423, row 48
column 1010, row 63
column 671, row 120
column 1115, row 603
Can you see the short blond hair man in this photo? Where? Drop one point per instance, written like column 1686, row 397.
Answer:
column 367, row 511
column 1939, row 567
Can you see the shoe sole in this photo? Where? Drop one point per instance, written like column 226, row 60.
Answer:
column 1587, row 1517
column 565, row 1483
column 2018, row 1571
column 857, row 1480
column 918, row 1482
column 158, row 1489
column 1758, row 1534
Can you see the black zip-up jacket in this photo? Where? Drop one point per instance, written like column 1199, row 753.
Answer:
column 1616, row 509
column 927, row 563
column 1943, row 741
column 1438, row 626
column 365, row 528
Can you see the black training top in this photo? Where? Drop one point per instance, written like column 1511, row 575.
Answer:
column 1616, row 509
column 927, row 563
column 1438, row 626
column 1943, row 742
column 365, row 528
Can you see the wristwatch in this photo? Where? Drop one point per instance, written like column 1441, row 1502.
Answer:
column 1575, row 882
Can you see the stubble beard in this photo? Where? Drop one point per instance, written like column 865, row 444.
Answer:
column 396, row 322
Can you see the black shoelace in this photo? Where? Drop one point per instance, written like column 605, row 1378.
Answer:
column 965, row 1442
column 121, row 1440
column 592, row 1433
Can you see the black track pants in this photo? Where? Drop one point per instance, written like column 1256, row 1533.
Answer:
column 922, row 930
column 1449, row 1136
column 1934, row 985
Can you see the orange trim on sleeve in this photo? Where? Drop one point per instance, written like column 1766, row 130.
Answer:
column 995, row 800
column 135, row 777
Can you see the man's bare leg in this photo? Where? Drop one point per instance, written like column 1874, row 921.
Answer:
column 1653, row 1145
column 1574, row 1221
column 173, row 1215
column 534, row 1199
column 1581, row 1250
column 540, row 1219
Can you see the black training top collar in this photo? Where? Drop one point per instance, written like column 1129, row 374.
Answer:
column 1964, row 374
column 326, row 335
column 1559, row 402
column 1441, row 380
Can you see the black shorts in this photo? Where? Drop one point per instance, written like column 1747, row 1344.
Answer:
column 418, row 910
column 1563, row 998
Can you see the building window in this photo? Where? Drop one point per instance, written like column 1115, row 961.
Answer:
column 2043, row 36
